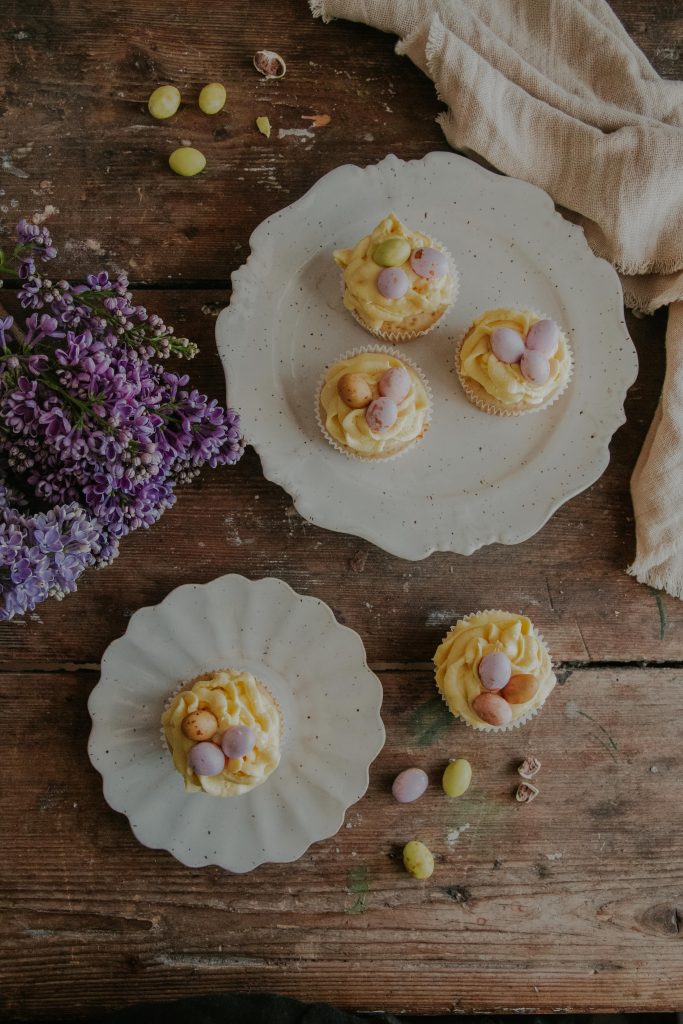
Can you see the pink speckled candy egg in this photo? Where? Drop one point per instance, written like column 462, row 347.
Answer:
column 535, row 367
column 543, row 337
column 381, row 414
column 409, row 785
column 507, row 345
column 392, row 283
column 495, row 670
column 395, row 384
column 492, row 709
column 429, row 263
column 206, row 759
column 237, row 740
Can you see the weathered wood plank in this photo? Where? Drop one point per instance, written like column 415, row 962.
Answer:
column 570, row 578
column 75, row 133
column 572, row 902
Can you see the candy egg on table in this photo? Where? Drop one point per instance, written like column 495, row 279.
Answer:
column 238, row 740
column 543, row 336
column 495, row 670
column 206, row 759
column 354, row 390
column 507, row 344
column 520, row 689
column 187, row 161
column 199, row 725
column 492, row 709
column 164, row 102
column 212, row 98
column 429, row 263
column 418, row 859
column 535, row 367
column 457, row 777
column 392, row 283
column 392, row 252
column 395, row 384
column 381, row 414
column 409, row 785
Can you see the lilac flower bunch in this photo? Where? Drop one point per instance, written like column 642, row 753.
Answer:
column 95, row 432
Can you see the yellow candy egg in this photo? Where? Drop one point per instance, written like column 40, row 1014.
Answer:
column 457, row 777
column 199, row 726
column 212, row 98
column 187, row 161
column 164, row 102
column 417, row 859
column 354, row 390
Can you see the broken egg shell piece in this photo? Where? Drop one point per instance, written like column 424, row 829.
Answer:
column 269, row 64
column 263, row 125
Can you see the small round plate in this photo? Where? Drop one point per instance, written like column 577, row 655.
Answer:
column 316, row 670
column 475, row 478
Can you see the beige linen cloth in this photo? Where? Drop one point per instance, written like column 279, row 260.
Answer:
column 557, row 93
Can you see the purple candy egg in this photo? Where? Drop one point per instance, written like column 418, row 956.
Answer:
column 543, row 337
column 392, row 283
column 409, row 785
column 429, row 263
column 495, row 670
column 535, row 367
column 507, row 345
column 206, row 759
column 237, row 740
column 381, row 414
column 395, row 384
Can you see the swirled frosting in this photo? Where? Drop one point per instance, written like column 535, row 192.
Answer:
column 471, row 639
column 424, row 298
column 504, row 381
column 349, row 427
column 235, row 698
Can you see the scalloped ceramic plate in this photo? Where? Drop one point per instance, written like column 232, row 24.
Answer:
column 315, row 668
column 475, row 478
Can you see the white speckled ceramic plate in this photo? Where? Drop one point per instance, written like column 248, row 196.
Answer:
column 475, row 478
column 316, row 670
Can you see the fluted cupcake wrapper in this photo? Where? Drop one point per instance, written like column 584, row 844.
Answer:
column 484, row 726
column 478, row 395
column 379, row 456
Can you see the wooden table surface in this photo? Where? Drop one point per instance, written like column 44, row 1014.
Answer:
column 572, row 902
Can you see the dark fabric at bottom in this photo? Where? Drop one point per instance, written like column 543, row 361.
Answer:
column 236, row 1009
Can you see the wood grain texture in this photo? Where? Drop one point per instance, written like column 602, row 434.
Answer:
column 571, row 902
column 569, row 578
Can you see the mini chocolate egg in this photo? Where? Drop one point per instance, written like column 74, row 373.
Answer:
column 495, row 670
column 238, row 740
column 199, row 725
column 392, row 283
column 392, row 252
column 429, row 263
column 395, row 383
column 354, row 390
column 507, row 345
column 409, row 785
column 520, row 689
column 535, row 367
column 381, row 414
column 543, row 337
column 206, row 759
column 492, row 709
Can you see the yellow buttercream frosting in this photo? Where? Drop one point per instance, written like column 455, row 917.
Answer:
column 421, row 305
column 504, row 382
column 471, row 639
column 349, row 427
column 235, row 698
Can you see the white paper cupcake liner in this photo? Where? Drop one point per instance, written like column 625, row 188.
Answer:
column 523, row 719
column 380, row 456
column 395, row 335
column 477, row 399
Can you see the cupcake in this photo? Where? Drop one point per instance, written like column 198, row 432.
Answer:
column 223, row 730
column 371, row 404
column 493, row 670
column 397, row 283
column 513, row 361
